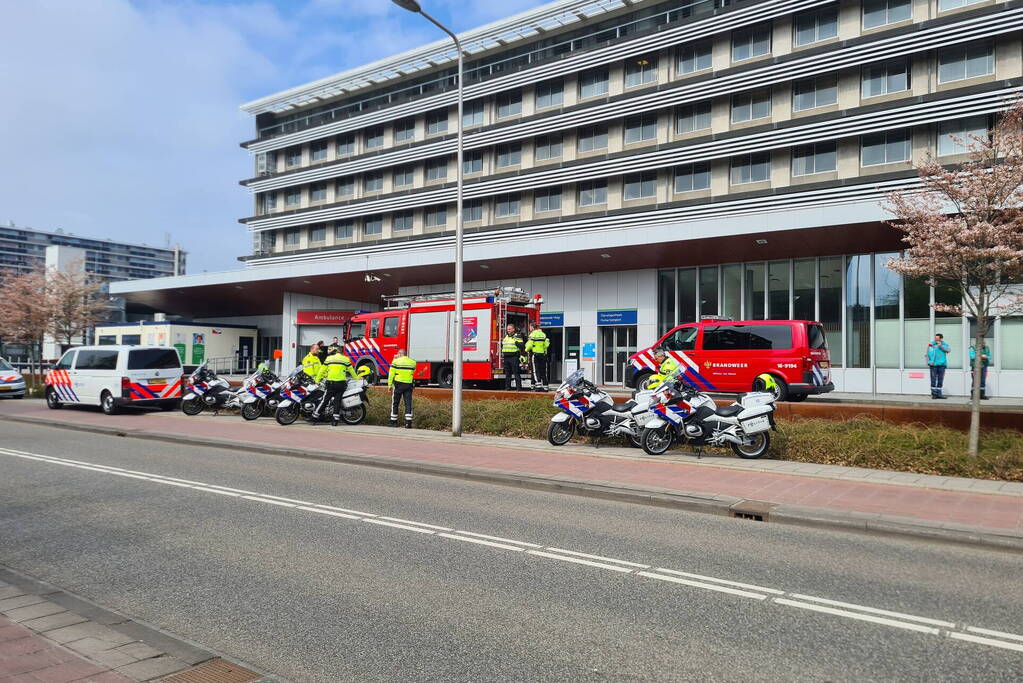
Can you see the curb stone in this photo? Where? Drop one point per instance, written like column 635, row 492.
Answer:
column 890, row 525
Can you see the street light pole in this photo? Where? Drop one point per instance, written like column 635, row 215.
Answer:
column 456, row 382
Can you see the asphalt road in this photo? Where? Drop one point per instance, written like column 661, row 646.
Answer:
column 315, row 593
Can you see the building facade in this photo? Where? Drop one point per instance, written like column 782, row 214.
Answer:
column 641, row 164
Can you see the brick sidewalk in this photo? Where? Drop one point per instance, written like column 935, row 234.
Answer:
column 967, row 507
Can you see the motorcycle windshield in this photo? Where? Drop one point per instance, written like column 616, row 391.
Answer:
column 575, row 378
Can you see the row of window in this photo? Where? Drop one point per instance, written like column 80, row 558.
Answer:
column 953, row 137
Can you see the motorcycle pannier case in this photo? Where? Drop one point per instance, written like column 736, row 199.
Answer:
column 756, row 424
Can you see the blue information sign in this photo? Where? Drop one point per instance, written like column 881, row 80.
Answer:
column 589, row 351
column 552, row 320
column 622, row 317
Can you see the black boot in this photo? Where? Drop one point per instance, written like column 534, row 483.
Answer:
column 393, row 423
column 408, row 424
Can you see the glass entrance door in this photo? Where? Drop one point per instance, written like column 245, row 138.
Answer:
column 617, row 343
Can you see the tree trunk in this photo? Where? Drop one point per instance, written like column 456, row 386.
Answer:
column 977, row 368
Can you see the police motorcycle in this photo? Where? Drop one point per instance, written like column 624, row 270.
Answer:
column 684, row 414
column 260, row 393
column 588, row 410
column 300, row 395
column 206, row 390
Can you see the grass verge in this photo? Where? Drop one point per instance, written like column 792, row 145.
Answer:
column 860, row 442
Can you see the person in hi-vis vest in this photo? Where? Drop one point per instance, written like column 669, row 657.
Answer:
column 537, row 345
column 513, row 346
column 401, row 380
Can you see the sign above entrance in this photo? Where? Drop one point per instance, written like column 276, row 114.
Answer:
column 552, row 320
column 622, row 317
column 323, row 317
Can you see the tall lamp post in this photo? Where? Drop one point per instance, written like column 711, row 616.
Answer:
column 456, row 383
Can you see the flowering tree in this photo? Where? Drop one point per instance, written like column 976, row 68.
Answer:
column 25, row 312
column 966, row 228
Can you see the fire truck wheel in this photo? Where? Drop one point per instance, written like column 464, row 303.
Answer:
column 445, row 376
column 373, row 377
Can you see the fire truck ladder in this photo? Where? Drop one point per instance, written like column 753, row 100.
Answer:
column 503, row 297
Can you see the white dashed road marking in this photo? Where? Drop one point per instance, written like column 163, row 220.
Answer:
column 874, row 615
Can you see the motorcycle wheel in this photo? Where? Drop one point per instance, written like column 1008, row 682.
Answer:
column 285, row 416
column 657, row 441
column 252, row 411
column 192, row 406
column 353, row 416
column 560, row 433
column 759, row 443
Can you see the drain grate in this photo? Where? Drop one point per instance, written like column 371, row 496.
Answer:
column 748, row 515
column 756, row 510
column 213, row 671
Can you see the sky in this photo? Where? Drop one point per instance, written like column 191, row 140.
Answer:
column 119, row 119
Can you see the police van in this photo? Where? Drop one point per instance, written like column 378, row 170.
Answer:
column 113, row 377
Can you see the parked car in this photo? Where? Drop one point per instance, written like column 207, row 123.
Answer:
column 11, row 382
column 116, row 376
column 727, row 356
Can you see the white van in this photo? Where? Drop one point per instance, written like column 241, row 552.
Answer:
column 116, row 376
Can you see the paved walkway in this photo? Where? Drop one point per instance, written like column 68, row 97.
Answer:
column 867, row 499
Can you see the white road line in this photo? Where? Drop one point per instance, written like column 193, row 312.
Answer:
column 910, row 622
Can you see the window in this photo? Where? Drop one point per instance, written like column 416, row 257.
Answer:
column 318, row 233
column 954, row 137
column 391, row 327
column 269, row 201
column 374, row 137
column 592, row 193
column 547, row 200
column 695, row 57
column 318, row 192
column 640, row 71
column 344, row 230
column 404, row 176
column 291, row 237
column 437, row 122
column 373, row 181
column 817, row 158
column 472, row 210
column 293, row 157
column 472, row 162
column 68, row 358
column 640, row 128
column 886, row 78
column 811, row 93
column 812, row 27
column 507, row 205
column 745, row 337
column 373, row 225
column 318, row 151
column 436, row 216
column 550, row 94
column 509, row 155
column 748, row 43
column 966, row 61
column 593, row 83
column 681, row 340
column 345, row 187
column 691, row 177
column 405, row 130
column 472, row 114
column 437, row 169
column 374, row 328
column 153, row 359
column 345, row 144
column 401, row 220
column 944, row 5
column 131, row 339
column 104, row 340
column 641, row 185
column 882, row 12
column 293, row 197
column 886, row 148
column 751, row 105
column 692, row 117
column 509, row 104
column 548, row 147
column 751, row 168
column 104, row 360
column 592, row 138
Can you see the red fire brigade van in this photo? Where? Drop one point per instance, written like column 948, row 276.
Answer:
column 726, row 355
column 422, row 325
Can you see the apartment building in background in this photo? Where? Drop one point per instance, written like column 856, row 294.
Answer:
column 641, row 164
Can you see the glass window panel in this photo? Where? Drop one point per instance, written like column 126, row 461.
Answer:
column 640, row 128
column 692, row 177
column 548, row 147
column 755, row 273
column 592, row 138
column 811, row 27
column 709, row 290
column 831, row 305
column 686, row 295
column 509, row 104
column 318, row 233
column 547, row 200
column 886, row 148
column 857, row 296
column 693, row 117
column 886, row 313
column 472, row 163
column 344, row 230
column 373, row 225
column 778, row 288
column 917, row 322
column 731, row 291
column 665, row 301
column 954, row 136
column 472, row 114
column 506, row 206
column 803, row 290
column 550, row 94
column 965, row 61
column 881, row 12
column 1012, row 347
column 695, row 57
column 404, row 130
column 593, row 83
column 949, row 324
column 472, row 210
column 640, row 185
column 640, row 71
column 886, row 78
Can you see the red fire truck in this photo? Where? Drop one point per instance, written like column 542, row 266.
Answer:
column 422, row 324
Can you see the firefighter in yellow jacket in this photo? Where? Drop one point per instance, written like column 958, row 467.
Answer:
column 336, row 370
column 311, row 364
column 401, row 380
column 537, row 345
column 513, row 349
